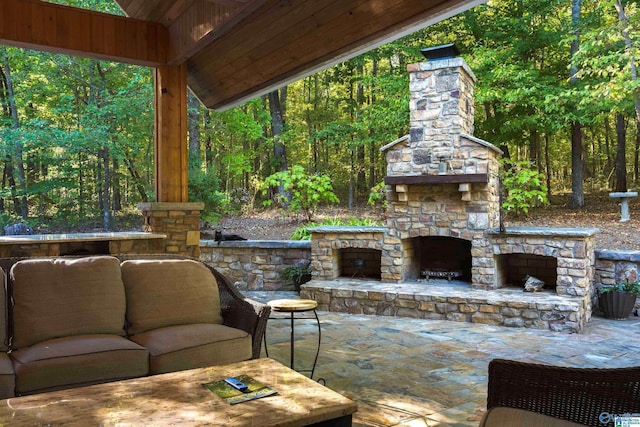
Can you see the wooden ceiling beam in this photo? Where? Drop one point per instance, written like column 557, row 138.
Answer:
column 33, row 24
column 282, row 41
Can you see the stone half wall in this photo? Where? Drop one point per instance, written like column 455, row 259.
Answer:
column 255, row 265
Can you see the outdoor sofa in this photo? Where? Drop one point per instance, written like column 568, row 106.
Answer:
column 75, row 321
column 530, row 394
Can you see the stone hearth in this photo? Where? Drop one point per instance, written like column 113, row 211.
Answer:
column 444, row 300
column 562, row 257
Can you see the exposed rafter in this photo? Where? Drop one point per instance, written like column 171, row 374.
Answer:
column 33, row 24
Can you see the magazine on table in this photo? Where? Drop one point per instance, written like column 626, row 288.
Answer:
column 254, row 389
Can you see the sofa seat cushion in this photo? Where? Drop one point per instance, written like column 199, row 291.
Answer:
column 163, row 293
column 512, row 417
column 177, row 348
column 57, row 297
column 7, row 377
column 78, row 360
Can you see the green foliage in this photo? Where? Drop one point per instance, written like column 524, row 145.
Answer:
column 624, row 286
column 378, row 195
column 307, row 191
column 523, row 187
column 298, row 273
column 203, row 187
column 302, row 232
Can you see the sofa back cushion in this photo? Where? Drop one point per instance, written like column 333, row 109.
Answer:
column 164, row 293
column 58, row 297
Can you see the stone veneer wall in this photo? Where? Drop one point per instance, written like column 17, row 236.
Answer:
column 613, row 266
column 255, row 265
column 179, row 221
column 438, row 210
column 441, row 107
column 74, row 244
column 573, row 249
column 505, row 307
column 326, row 242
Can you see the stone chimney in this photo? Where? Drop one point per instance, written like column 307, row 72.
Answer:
column 441, row 110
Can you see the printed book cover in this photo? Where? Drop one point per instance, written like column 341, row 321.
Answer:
column 255, row 390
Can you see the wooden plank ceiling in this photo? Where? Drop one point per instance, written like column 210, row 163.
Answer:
column 238, row 49
column 234, row 50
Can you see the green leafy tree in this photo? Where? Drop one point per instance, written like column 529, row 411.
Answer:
column 523, row 187
column 307, row 191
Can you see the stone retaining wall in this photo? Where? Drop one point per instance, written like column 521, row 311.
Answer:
column 255, row 264
column 616, row 266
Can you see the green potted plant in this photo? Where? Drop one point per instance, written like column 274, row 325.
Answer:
column 617, row 301
column 298, row 273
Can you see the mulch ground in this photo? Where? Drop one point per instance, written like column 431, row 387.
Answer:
column 600, row 211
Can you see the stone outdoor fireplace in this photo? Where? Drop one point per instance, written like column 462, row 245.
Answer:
column 444, row 225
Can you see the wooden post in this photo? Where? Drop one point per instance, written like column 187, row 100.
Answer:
column 171, row 151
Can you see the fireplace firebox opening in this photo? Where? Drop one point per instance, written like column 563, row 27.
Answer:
column 360, row 263
column 513, row 269
column 438, row 257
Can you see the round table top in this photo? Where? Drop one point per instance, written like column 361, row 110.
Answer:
column 290, row 305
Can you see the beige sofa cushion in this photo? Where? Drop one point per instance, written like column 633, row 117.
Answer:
column 512, row 417
column 57, row 297
column 177, row 348
column 77, row 361
column 164, row 293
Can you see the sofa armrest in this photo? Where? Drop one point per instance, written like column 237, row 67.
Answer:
column 242, row 313
column 579, row 395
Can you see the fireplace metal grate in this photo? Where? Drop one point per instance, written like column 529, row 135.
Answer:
column 441, row 274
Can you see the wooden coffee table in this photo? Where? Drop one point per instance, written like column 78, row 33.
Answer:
column 179, row 399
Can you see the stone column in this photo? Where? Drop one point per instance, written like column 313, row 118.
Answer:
column 179, row 221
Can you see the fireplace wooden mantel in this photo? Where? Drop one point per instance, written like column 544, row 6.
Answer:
column 437, row 179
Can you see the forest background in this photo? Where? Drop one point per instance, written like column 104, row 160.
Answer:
column 557, row 91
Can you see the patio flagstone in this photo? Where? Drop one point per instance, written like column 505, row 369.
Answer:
column 413, row 372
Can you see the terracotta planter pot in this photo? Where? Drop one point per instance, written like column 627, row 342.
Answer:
column 616, row 304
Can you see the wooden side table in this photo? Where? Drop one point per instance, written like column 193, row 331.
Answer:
column 293, row 306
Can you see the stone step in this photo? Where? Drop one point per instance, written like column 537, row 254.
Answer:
column 454, row 301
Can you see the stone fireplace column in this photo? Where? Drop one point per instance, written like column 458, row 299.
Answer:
column 179, row 221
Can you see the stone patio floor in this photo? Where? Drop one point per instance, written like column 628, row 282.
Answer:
column 412, row 372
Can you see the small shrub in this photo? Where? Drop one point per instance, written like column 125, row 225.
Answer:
column 377, row 195
column 306, row 191
column 204, row 188
column 625, row 286
column 523, row 187
column 302, row 232
column 298, row 273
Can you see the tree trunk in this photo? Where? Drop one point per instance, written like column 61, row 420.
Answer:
column 137, row 180
column 372, row 145
column 624, row 24
column 636, row 153
column 276, row 108
column 194, row 130
column 577, row 156
column 106, row 180
column 117, row 194
column 621, row 161
column 547, row 165
column 22, row 207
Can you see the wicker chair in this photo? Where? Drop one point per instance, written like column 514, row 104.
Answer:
column 579, row 395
